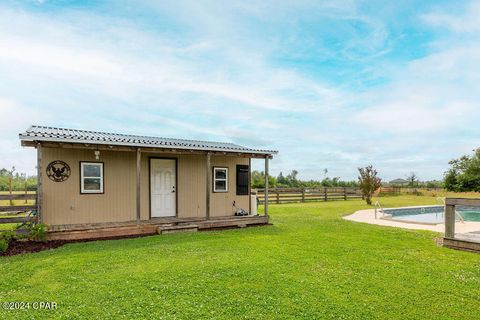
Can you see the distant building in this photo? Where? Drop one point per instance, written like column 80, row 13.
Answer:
column 399, row 182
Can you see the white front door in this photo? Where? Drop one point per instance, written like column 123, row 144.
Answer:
column 162, row 188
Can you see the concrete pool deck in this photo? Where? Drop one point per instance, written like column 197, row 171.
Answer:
column 368, row 216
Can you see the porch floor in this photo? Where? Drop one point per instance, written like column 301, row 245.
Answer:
column 464, row 241
column 145, row 227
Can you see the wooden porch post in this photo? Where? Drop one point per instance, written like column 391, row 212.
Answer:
column 450, row 221
column 139, row 163
column 39, row 183
column 266, row 186
column 209, row 186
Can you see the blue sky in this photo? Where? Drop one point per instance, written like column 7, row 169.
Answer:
column 330, row 84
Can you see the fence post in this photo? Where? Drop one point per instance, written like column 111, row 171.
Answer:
column 450, row 221
column 278, row 195
column 303, row 194
column 344, row 193
column 10, row 190
column 325, row 193
column 26, row 196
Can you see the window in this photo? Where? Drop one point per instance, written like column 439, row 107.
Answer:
column 243, row 173
column 91, row 177
column 220, row 179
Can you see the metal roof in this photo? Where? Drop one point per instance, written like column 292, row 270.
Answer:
column 52, row 134
column 399, row 180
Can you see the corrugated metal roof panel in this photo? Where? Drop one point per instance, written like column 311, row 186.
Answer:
column 53, row 134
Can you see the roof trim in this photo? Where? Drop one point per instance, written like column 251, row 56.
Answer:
column 75, row 136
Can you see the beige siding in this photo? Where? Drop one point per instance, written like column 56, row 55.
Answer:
column 63, row 203
column 222, row 202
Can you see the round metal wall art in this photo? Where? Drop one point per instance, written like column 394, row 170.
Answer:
column 58, row 171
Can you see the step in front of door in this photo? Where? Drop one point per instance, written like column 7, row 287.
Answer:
column 178, row 228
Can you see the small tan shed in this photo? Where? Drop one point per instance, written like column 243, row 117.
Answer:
column 90, row 179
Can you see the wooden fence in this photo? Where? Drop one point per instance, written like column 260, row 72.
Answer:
column 388, row 190
column 285, row 195
column 15, row 212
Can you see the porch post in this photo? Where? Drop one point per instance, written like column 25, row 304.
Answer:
column 209, row 186
column 139, row 163
column 449, row 221
column 39, row 183
column 266, row 186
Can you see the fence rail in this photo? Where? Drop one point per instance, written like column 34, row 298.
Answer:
column 285, row 195
column 18, row 196
column 388, row 190
column 17, row 213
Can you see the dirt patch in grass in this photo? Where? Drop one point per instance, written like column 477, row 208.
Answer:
column 21, row 247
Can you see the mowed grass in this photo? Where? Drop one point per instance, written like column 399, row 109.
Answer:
column 310, row 264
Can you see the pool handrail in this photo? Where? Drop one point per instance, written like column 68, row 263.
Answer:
column 379, row 206
column 460, row 217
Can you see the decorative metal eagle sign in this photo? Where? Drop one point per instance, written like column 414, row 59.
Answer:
column 58, row 171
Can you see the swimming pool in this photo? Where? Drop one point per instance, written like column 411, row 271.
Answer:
column 429, row 214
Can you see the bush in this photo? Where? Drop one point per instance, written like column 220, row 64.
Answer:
column 5, row 238
column 3, row 245
column 8, row 235
column 37, row 232
column 368, row 182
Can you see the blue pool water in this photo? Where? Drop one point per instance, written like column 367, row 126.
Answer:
column 432, row 214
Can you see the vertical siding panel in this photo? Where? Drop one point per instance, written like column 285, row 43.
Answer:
column 222, row 202
column 117, row 204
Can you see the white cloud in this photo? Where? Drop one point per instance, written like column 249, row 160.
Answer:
column 15, row 118
column 457, row 22
column 223, row 79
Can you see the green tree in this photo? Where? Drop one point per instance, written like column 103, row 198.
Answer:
column 258, row 180
column 19, row 180
column 281, row 180
column 412, row 179
column 368, row 182
column 292, row 181
column 464, row 174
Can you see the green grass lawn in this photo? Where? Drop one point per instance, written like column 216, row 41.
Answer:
column 309, row 264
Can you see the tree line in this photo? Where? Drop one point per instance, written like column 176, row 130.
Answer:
column 464, row 173
column 291, row 180
column 18, row 181
column 368, row 181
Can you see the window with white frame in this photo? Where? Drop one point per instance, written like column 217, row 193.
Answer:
column 220, row 179
column 91, row 177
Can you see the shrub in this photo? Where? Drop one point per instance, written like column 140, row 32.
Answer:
column 3, row 245
column 38, row 232
column 368, row 182
column 5, row 238
column 7, row 235
column 35, row 231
